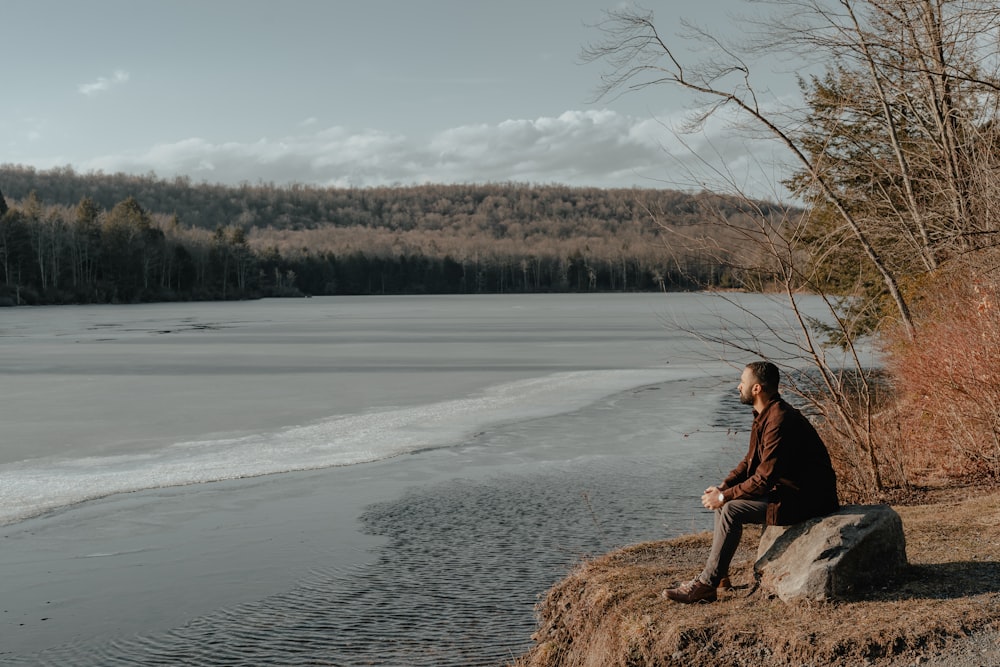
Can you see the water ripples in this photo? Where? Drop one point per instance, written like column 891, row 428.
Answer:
column 455, row 585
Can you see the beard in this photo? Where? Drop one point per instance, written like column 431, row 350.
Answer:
column 746, row 399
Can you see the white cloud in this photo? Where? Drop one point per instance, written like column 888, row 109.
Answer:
column 103, row 83
column 599, row 148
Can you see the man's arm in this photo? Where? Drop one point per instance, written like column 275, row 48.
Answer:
column 738, row 474
column 763, row 477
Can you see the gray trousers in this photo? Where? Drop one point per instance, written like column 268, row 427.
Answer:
column 729, row 522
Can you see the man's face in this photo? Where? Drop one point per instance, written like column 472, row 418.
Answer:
column 747, row 383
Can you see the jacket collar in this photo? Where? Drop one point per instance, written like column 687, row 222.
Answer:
column 774, row 399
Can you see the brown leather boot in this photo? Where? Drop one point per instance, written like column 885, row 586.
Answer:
column 691, row 591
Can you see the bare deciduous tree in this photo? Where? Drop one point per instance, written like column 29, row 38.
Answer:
column 888, row 148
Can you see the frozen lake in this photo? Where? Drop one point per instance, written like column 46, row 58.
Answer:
column 383, row 480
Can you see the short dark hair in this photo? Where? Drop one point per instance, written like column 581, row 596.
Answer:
column 767, row 376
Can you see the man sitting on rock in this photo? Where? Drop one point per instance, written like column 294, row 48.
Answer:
column 785, row 478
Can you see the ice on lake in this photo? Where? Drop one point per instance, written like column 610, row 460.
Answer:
column 459, row 438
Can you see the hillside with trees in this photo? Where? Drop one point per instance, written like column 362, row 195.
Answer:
column 84, row 238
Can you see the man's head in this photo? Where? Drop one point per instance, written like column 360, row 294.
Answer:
column 760, row 378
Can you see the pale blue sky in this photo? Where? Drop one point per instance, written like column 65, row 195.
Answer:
column 331, row 92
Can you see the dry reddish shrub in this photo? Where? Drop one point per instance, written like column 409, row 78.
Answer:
column 948, row 377
column 853, row 463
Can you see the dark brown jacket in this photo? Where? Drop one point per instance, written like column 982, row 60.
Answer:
column 788, row 463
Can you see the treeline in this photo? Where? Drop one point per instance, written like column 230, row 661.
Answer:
column 499, row 209
column 253, row 241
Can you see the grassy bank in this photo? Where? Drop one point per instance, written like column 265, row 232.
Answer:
column 608, row 611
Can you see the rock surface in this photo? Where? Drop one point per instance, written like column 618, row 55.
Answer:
column 838, row 556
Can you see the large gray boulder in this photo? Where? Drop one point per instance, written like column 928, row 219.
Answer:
column 838, row 556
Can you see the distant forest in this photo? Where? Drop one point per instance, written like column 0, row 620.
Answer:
column 92, row 238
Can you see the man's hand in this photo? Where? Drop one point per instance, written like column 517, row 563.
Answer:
column 710, row 499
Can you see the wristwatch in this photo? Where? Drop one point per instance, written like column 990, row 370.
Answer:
column 722, row 497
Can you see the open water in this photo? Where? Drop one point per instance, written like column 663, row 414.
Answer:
column 345, row 481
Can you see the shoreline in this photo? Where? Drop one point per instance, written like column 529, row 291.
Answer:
column 945, row 611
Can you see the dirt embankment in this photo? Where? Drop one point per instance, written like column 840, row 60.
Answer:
column 945, row 610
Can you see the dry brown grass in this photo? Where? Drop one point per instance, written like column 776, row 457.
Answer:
column 608, row 611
